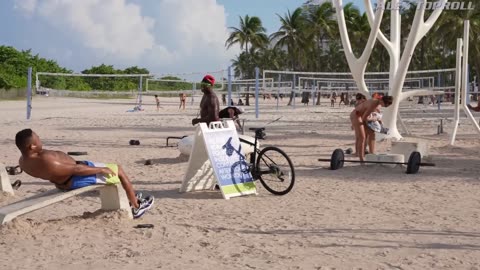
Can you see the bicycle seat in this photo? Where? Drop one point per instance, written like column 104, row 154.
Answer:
column 255, row 129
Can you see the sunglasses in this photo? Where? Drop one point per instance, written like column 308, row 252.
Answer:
column 204, row 84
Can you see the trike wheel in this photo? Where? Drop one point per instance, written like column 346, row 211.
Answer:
column 275, row 170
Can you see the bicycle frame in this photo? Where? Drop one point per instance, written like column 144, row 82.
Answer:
column 253, row 169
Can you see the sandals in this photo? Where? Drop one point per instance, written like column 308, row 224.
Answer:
column 13, row 170
column 16, row 185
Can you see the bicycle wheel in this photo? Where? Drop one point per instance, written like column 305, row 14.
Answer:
column 275, row 170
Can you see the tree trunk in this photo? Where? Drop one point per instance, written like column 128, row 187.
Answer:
column 247, row 98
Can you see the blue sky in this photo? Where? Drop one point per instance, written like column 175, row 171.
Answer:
column 165, row 36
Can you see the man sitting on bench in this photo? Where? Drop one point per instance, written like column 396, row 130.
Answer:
column 68, row 174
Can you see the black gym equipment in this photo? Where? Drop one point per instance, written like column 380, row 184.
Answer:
column 176, row 138
column 413, row 165
column 144, row 226
column 77, row 153
column 134, row 142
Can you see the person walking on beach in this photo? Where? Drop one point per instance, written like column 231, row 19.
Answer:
column 209, row 105
column 183, row 100
column 333, row 99
column 67, row 174
column 157, row 100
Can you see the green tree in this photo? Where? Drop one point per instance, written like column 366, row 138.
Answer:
column 250, row 32
column 323, row 26
column 291, row 36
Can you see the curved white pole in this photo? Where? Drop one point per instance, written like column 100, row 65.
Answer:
column 358, row 65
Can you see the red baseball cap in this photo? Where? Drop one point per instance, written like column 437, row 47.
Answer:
column 209, row 79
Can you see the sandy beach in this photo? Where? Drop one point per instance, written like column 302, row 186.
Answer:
column 359, row 217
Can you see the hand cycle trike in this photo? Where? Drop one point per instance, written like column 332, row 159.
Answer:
column 270, row 165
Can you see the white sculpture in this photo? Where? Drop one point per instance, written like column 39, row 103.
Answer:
column 398, row 62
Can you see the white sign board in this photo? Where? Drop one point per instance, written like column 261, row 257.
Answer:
column 217, row 158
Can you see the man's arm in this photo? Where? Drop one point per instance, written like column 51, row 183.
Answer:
column 61, row 168
column 370, row 108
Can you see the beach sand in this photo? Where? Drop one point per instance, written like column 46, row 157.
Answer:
column 359, row 217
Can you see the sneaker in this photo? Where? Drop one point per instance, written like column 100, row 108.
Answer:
column 139, row 196
column 144, row 204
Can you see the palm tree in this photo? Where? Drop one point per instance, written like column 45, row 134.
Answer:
column 271, row 59
column 450, row 27
column 357, row 26
column 251, row 32
column 291, row 35
column 323, row 26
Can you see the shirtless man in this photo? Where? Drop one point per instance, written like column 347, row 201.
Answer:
column 209, row 106
column 68, row 174
column 359, row 118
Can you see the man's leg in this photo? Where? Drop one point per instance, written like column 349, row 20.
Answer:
column 355, row 130
column 127, row 185
column 361, row 141
column 370, row 140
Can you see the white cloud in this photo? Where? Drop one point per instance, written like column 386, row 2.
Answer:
column 111, row 27
column 26, row 5
column 194, row 32
column 183, row 35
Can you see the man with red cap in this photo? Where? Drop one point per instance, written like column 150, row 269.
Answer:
column 209, row 106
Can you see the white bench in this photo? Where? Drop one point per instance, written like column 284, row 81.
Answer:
column 406, row 148
column 5, row 185
column 113, row 197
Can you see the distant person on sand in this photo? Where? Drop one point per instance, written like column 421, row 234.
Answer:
column 157, row 100
column 183, row 100
column 209, row 105
column 342, row 99
column 224, row 99
column 68, row 174
column 359, row 118
column 333, row 99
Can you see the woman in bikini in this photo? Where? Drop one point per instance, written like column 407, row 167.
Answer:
column 359, row 117
column 183, row 100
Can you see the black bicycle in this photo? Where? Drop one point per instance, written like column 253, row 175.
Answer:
column 270, row 165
